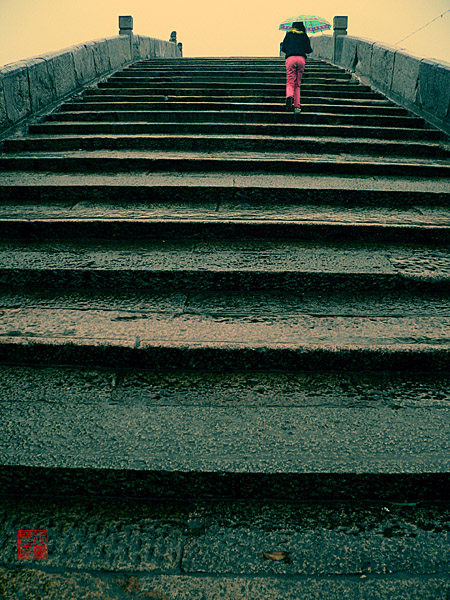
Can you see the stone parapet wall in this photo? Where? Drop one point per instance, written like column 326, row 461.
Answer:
column 419, row 84
column 37, row 84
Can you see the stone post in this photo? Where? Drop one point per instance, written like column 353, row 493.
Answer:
column 126, row 25
column 126, row 28
column 180, row 48
column 340, row 25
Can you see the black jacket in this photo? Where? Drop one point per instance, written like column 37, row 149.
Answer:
column 296, row 44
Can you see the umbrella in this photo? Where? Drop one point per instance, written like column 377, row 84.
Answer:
column 311, row 22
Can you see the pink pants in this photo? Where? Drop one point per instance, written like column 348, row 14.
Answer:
column 295, row 65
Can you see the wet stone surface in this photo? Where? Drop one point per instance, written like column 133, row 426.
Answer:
column 139, row 422
column 163, row 549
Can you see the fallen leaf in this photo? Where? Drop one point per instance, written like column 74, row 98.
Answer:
column 276, row 555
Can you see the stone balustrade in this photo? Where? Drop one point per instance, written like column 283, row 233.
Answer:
column 37, row 84
column 421, row 85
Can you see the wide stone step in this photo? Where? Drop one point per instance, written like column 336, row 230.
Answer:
column 228, row 115
column 60, row 128
column 138, row 447
column 383, row 199
column 228, row 70
column 331, row 87
column 205, row 225
column 189, row 329
column 109, row 161
column 106, row 103
column 226, row 143
column 206, row 548
column 184, row 77
column 261, row 95
column 250, row 61
column 224, row 264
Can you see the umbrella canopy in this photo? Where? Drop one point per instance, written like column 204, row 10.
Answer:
column 312, row 23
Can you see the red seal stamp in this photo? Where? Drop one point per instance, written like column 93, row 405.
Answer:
column 33, row 544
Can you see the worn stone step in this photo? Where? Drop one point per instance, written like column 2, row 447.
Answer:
column 280, row 87
column 228, row 77
column 206, row 226
column 382, row 199
column 133, row 449
column 251, row 61
column 30, row 581
column 214, row 549
column 227, row 114
column 227, row 71
column 163, row 200
column 354, row 94
column 228, row 162
column 256, row 65
column 184, row 330
column 224, row 264
column 286, row 145
column 166, row 125
column 93, row 103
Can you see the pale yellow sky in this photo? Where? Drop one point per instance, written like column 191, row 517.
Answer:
column 231, row 28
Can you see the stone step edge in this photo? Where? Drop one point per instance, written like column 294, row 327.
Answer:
column 300, row 127
column 387, row 119
column 44, row 482
column 218, row 130
column 220, row 228
column 207, row 280
column 210, row 137
column 116, row 162
column 365, row 98
column 204, row 142
column 148, row 193
column 181, row 356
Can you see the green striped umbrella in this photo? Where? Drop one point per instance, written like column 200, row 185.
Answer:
column 312, row 23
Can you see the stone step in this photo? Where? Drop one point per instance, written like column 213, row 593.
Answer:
column 206, row 548
column 280, row 87
column 214, row 70
column 188, row 329
column 227, row 77
column 94, row 103
column 224, row 264
column 227, row 70
column 251, row 61
column 253, row 64
column 298, row 225
column 381, row 199
column 109, row 161
column 225, row 143
column 283, row 130
column 146, row 448
column 228, row 115
column 354, row 95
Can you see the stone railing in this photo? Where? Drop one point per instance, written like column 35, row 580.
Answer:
column 419, row 84
column 35, row 85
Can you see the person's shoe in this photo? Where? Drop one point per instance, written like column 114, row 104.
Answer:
column 289, row 103
column 297, row 110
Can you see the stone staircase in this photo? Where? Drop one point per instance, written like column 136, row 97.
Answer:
column 208, row 299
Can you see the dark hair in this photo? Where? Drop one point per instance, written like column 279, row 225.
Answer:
column 299, row 25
